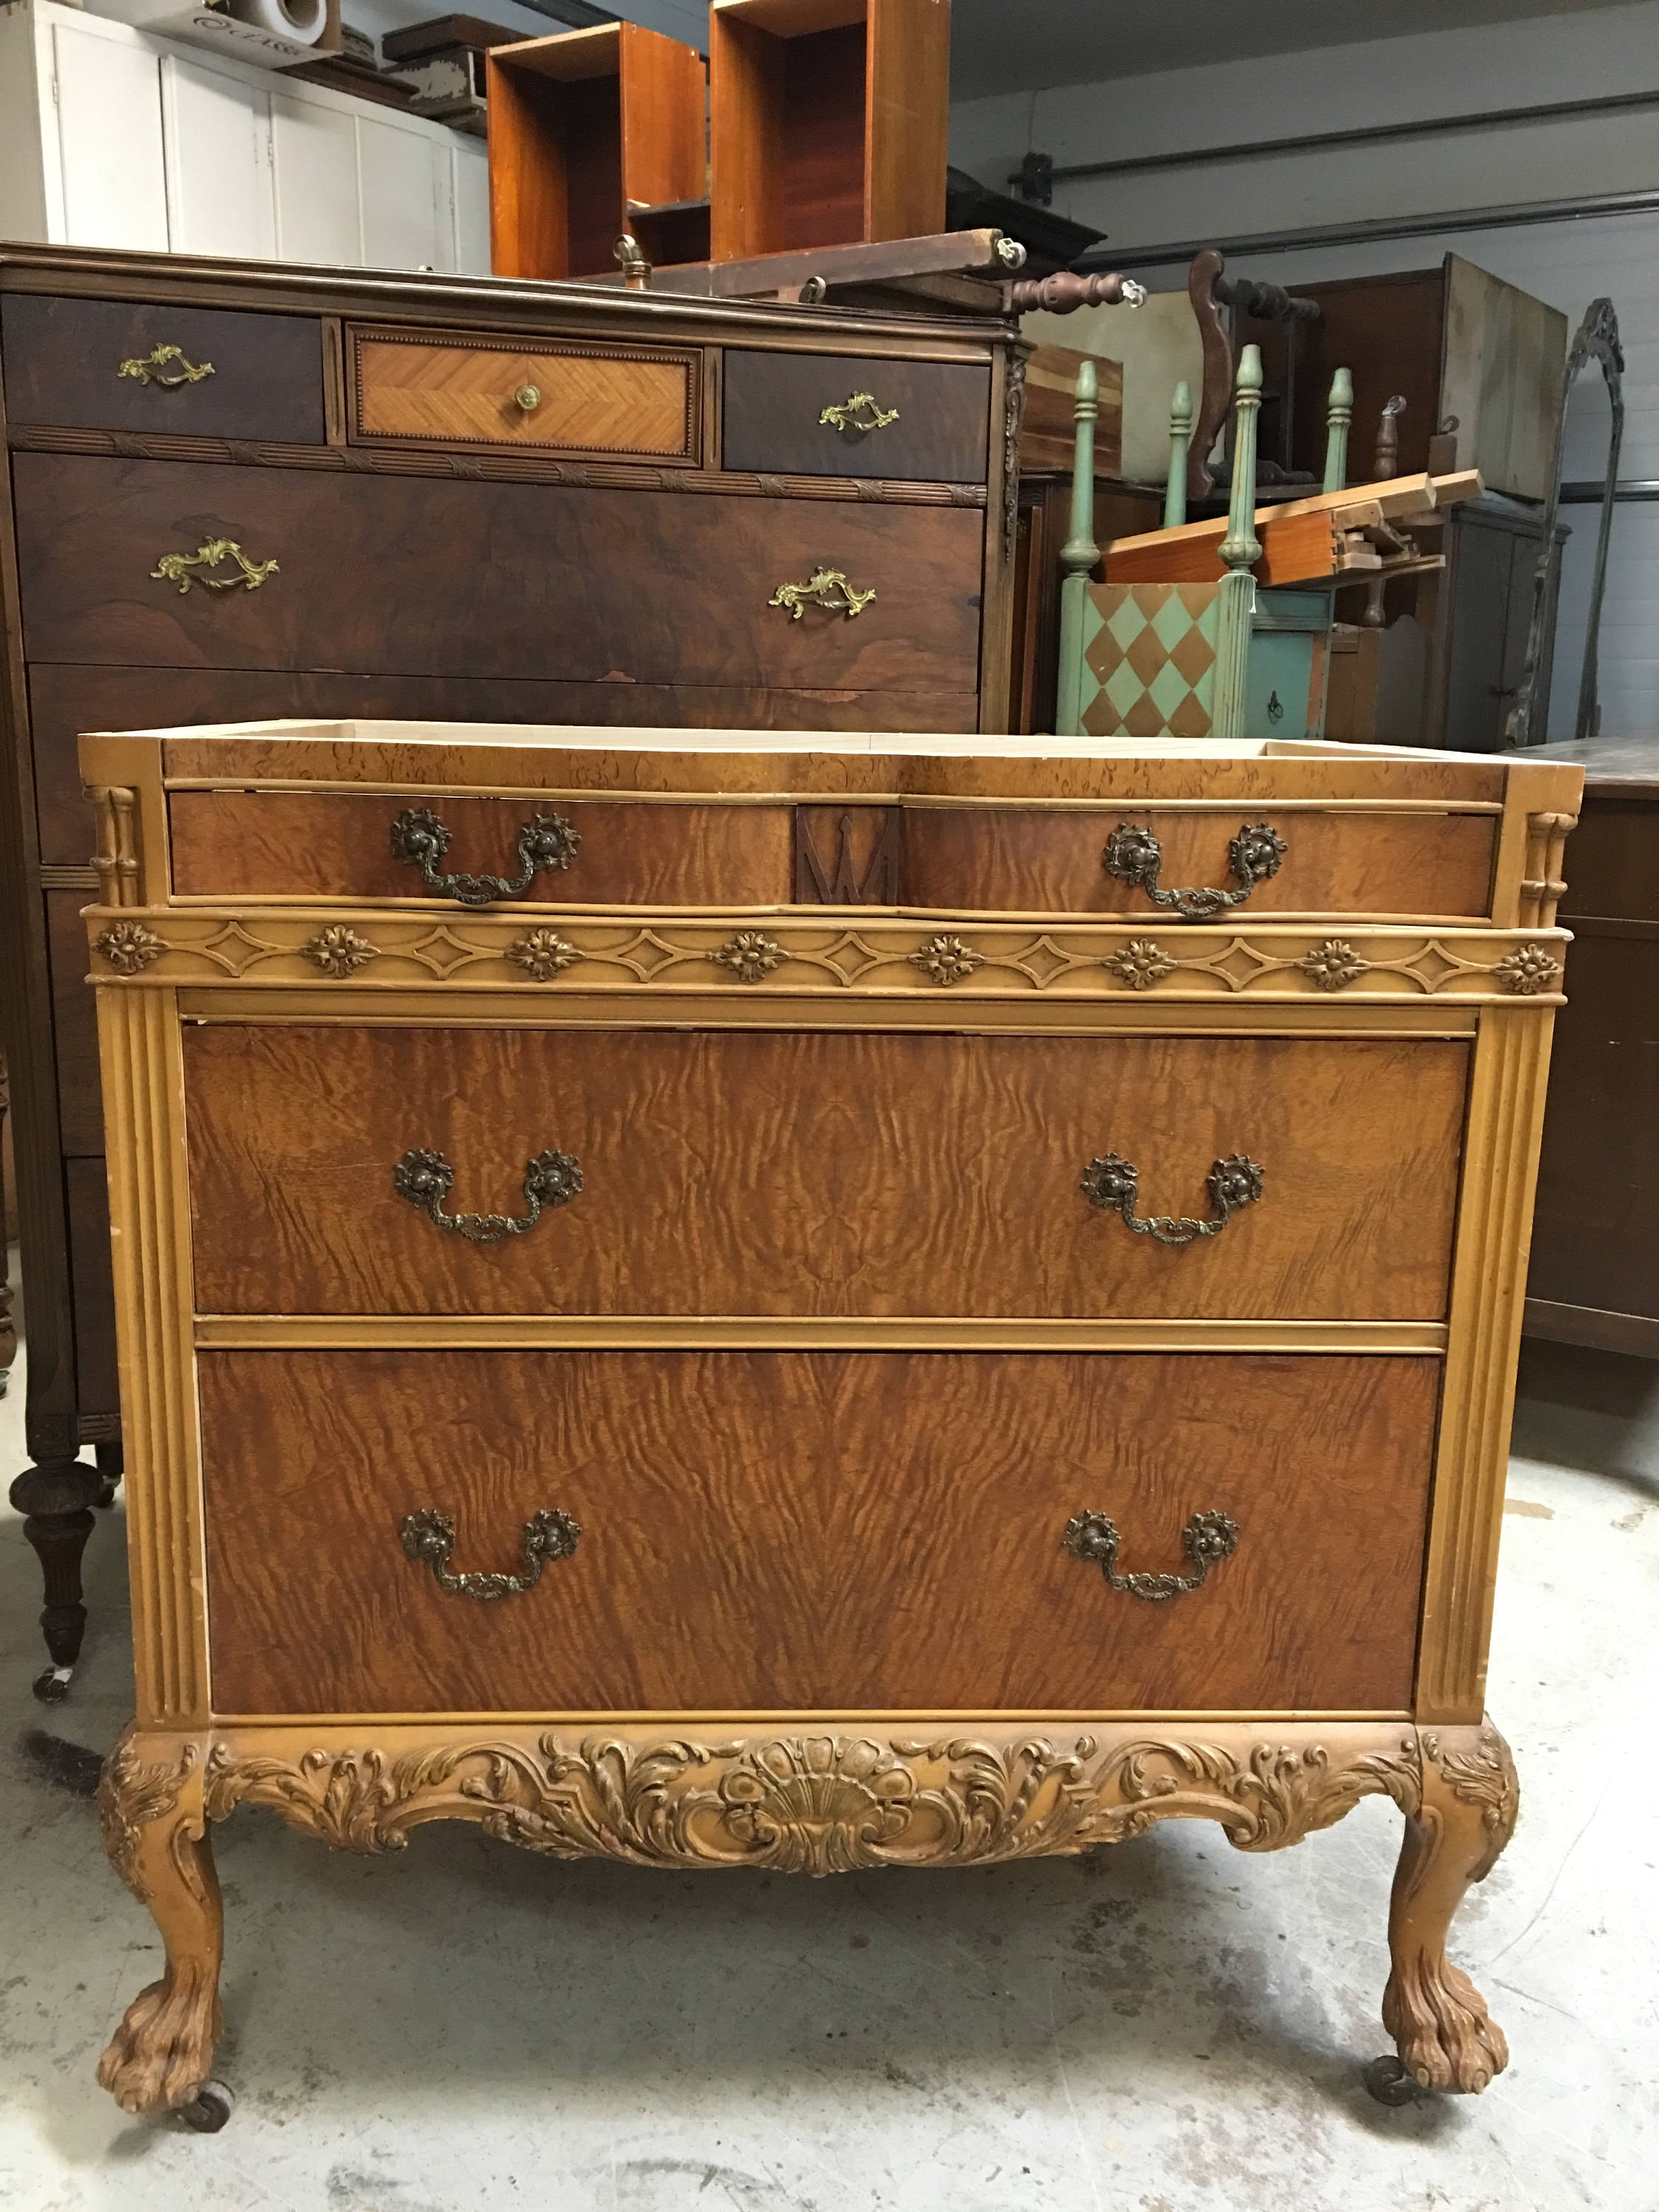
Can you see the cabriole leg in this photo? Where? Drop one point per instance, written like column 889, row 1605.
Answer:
column 161, row 2057
column 1437, row 2016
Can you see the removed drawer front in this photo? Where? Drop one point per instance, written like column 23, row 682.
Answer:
column 834, row 414
column 760, row 1531
column 429, row 390
column 810, row 1173
column 422, row 577
column 194, row 371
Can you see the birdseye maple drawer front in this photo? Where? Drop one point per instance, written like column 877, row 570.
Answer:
column 439, row 577
column 739, row 1530
column 190, row 372
column 808, row 1173
column 471, row 391
column 244, row 844
column 1284, row 860
column 834, row 415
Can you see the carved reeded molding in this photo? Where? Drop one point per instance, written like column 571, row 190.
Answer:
column 1542, row 887
column 822, row 1803
column 1088, row 960
column 493, row 468
column 1494, row 1218
column 116, row 861
column 143, row 1115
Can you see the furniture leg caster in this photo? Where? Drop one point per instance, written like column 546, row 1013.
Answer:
column 54, row 1495
column 53, row 1687
column 1386, row 2080
column 111, row 1465
column 209, row 2109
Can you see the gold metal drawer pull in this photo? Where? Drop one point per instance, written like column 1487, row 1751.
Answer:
column 821, row 590
column 1207, row 1539
column 528, row 398
column 551, row 1179
column 419, row 840
column 1113, row 1184
column 1133, row 855
column 429, row 1540
column 177, row 567
column 857, row 415
column 157, row 367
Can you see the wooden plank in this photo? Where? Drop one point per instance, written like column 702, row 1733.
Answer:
column 1301, row 540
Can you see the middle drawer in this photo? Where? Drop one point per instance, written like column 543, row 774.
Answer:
column 810, row 1173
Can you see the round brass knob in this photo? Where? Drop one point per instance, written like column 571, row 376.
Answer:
column 528, row 398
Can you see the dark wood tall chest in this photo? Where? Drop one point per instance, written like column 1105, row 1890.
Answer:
column 237, row 493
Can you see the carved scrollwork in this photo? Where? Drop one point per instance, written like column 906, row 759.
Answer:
column 132, row 1794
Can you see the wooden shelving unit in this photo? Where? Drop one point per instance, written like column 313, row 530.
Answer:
column 828, row 122
column 592, row 133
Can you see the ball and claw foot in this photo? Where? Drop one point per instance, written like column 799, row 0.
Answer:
column 209, row 2109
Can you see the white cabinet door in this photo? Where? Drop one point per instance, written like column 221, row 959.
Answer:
column 403, row 178
column 471, row 206
column 109, row 141
column 218, row 131
column 314, row 153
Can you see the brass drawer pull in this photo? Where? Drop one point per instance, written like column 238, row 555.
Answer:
column 527, row 397
column 419, row 840
column 1133, row 855
column 425, row 1179
column 1113, row 1184
column 177, row 567
column 857, row 415
column 1207, row 1539
column 820, row 590
column 156, row 368
column 429, row 1540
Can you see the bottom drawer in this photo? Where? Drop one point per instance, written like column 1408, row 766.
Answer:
column 846, row 1531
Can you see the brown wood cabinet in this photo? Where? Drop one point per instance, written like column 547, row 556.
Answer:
column 1595, row 1276
column 744, row 1302
column 231, row 494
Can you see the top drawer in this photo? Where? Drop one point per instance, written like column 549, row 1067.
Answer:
column 427, row 388
column 794, row 412
column 196, row 372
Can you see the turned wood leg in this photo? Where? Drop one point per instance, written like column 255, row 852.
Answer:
column 1437, row 2016
column 57, row 1497
column 161, row 2057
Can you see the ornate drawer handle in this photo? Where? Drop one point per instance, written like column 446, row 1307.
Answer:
column 153, row 369
column 419, row 840
column 527, row 397
column 176, row 568
column 1113, row 1184
column 856, row 416
column 429, row 1540
column 1133, row 855
column 819, row 591
column 425, row 1179
column 1207, row 1539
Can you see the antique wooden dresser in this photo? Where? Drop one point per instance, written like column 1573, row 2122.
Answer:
column 237, row 491
column 815, row 1303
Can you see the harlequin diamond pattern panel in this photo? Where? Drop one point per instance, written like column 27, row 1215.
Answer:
column 1149, row 660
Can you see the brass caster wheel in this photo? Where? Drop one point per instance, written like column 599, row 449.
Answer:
column 53, row 1686
column 209, row 2109
column 1386, row 2080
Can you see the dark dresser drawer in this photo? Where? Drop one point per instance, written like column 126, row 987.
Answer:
column 434, row 388
column 746, row 1543
column 444, row 578
column 775, row 404
column 807, row 1173
column 196, row 372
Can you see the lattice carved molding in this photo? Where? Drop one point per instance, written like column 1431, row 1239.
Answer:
column 1087, row 961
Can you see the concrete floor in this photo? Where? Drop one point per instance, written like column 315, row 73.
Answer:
column 1170, row 2027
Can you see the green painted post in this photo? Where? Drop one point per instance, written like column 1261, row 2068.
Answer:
column 1240, row 549
column 1181, row 431
column 1077, row 557
column 1338, row 417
